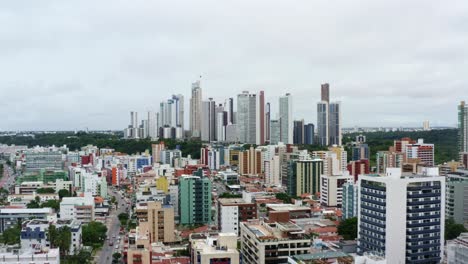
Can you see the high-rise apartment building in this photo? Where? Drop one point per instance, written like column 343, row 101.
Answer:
column 421, row 151
column 304, row 175
column 463, row 127
column 360, row 151
column 358, row 167
column 402, row 217
column 152, row 125
column 275, row 131
column 299, row 132
column 260, row 118
column 325, row 92
column 309, row 134
column 328, row 119
column 286, row 121
column 334, row 124
column 457, row 250
column 247, row 118
column 456, row 204
column 250, row 162
column 208, row 121
column 159, row 218
column 267, row 121
column 322, row 123
column 389, row 159
column 196, row 110
column 194, row 200
column 229, row 108
column 331, row 188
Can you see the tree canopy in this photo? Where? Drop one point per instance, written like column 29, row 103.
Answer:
column 453, row 230
column 11, row 236
column 94, row 234
column 348, row 228
column 63, row 193
column 45, row 190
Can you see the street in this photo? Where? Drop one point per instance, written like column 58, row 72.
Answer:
column 8, row 179
column 113, row 227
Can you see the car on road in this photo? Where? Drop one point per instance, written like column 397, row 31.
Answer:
column 111, row 243
column 116, row 246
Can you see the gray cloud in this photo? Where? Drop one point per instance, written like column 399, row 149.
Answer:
column 77, row 64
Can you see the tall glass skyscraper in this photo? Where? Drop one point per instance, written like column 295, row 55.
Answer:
column 463, row 127
column 285, row 112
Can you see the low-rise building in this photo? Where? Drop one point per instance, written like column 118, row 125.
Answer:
column 233, row 211
column 79, row 208
column 272, row 242
column 10, row 217
column 214, row 248
column 49, row 256
column 457, row 250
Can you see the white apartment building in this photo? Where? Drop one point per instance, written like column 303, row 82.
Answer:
column 271, row 242
column 457, row 250
column 402, row 217
column 79, row 208
column 214, row 248
column 331, row 188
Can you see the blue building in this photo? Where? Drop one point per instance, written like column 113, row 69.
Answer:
column 360, row 151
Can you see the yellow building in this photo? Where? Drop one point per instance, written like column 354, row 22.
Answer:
column 162, row 183
column 160, row 220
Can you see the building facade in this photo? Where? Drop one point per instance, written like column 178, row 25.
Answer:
column 194, row 200
column 402, row 217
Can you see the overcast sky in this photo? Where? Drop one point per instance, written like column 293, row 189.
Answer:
column 77, row 64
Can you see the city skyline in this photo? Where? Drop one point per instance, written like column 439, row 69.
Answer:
column 97, row 76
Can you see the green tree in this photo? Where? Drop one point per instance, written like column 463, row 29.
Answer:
column 45, row 190
column 283, row 197
column 64, row 240
column 230, row 195
column 123, row 218
column 34, row 203
column 94, row 234
column 55, row 204
column 116, row 257
column 113, row 200
column 11, row 236
column 348, row 228
column 82, row 257
column 452, row 229
column 64, row 193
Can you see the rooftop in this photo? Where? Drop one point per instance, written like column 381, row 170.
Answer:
column 229, row 201
column 321, row 255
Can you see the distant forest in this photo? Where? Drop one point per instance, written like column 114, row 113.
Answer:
column 446, row 146
column 445, row 141
column 76, row 141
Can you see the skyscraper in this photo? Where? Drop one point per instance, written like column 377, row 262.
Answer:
column 274, row 131
column 309, row 134
column 322, row 123
column 463, row 127
column 208, row 121
column 325, row 92
column 260, row 118
column 152, row 129
column 247, row 117
column 334, row 124
column 299, row 132
column 285, row 113
column 229, row 108
column 328, row 119
column 195, row 109
column 267, row 121
column 179, row 110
